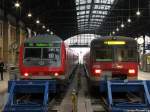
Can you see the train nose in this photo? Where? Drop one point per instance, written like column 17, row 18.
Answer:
column 117, row 66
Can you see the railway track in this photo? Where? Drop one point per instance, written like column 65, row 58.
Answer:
column 88, row 101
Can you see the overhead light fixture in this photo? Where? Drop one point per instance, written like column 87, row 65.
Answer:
column 138, row 13
column 122, row 25
column 38, row 21
column 17, row 4
column 43, row 26
column 48, row 30
column 51, row 33
column 29, row 14
column 113, row 32
column 117, row 29
column 110, row 34
column 129, row 20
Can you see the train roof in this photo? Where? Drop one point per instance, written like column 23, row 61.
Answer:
column 114, row 38
column 44, row 39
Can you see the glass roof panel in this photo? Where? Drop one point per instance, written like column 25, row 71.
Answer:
column 82, row 12
column 87, row 6
column 96, row 1
column 87, row 12
column 82, row 1
column 92, row 18
column 82, row 7
column 96, row 6
column 89, row 1
column 104, row 1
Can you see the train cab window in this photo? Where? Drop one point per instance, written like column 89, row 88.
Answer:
column 126, row 54
column 32, row 53
column 132, row 54
column 51, row 53
column 42, row 56
column 103, row 54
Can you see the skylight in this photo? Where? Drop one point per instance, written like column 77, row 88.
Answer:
column 90, row 12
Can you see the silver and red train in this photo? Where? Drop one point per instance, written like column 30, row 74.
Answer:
column 112, row 58
column 46, row 57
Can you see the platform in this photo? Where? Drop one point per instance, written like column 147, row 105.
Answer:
column 3, row 89
column 4, row 83
column 144, row 75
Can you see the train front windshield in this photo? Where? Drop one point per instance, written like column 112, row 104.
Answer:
column 103, row 54
column 115, row 53
column 42, row 56
column 126, row 54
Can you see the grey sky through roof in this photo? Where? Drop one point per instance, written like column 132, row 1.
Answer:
column 91, row 13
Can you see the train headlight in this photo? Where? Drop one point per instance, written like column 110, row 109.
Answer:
column 131, row 71
column 97, row 71
column 26, row 74
column 56, row 74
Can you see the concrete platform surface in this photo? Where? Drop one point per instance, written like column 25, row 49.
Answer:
column 3, row 90
column 4, row 83
column 144, row 75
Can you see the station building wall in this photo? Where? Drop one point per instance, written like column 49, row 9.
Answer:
column 10, row 39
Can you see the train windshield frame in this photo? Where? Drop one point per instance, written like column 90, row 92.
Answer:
column 41, row 56
column 122, row 53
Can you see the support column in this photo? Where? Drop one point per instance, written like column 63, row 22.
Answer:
column 5, row 33
column 5, row 42
column 144, row 44
column 149, row 9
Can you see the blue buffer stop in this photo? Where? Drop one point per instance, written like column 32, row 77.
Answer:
column 124, row 96
column 29, row 95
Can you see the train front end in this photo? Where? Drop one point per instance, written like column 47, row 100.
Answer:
column 113, row 59
column 42, row 58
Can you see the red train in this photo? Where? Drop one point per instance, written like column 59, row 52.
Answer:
column 111, row 58
column 46, row 57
